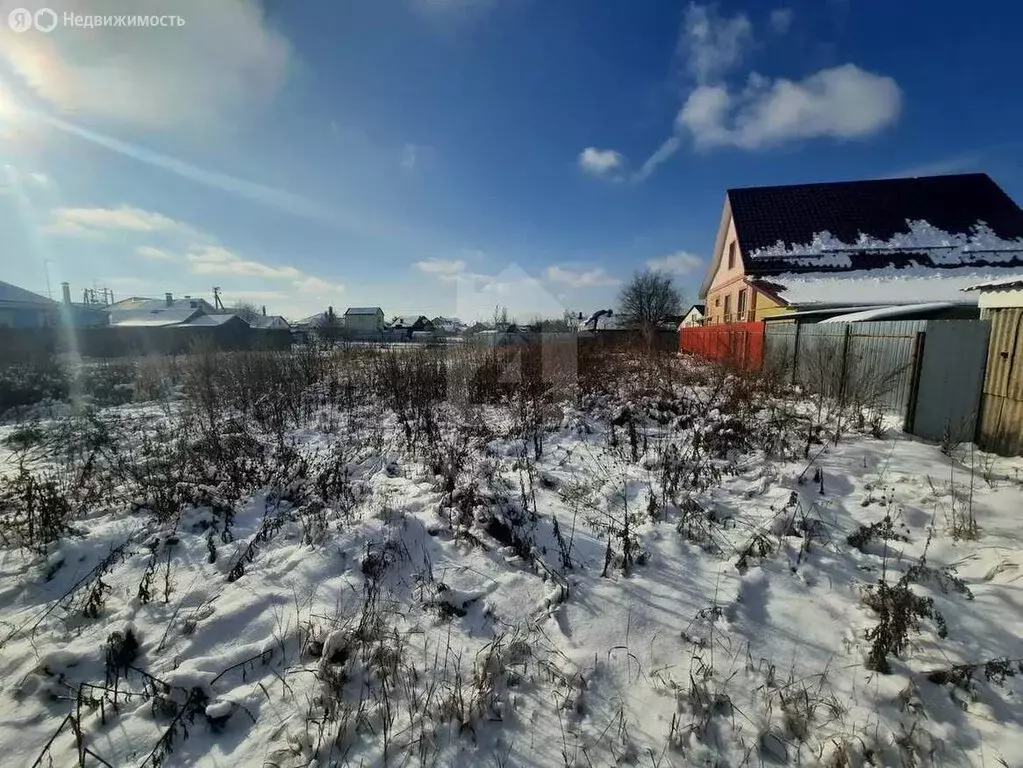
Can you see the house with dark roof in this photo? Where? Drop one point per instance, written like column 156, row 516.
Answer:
column 404, row 326
column 23, row 309
column 838, row 248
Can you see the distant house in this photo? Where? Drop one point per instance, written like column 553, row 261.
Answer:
column 834, row 248
column 448, row 326
column 23, row 309
column 364, row 321
column 405, row 326
column 269, row 323
column 154, row 313
column 694, row 317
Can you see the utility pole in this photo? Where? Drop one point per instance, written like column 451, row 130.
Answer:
column 217, row 303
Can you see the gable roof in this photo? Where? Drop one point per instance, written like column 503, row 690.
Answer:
column 363, row 311
column 269, row 322
column 407, row 321
column 212, row 321
column 140, row 304
column 935, row 221
column 12, row 294
column 153, row 318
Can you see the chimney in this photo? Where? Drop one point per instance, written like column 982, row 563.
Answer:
column 169, row 298
column 264, row 310
column 66, row 290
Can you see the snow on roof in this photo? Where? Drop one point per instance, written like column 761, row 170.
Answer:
column 407, row 321
column 12, row 294
column 941, row 248
column 363, row 310
column 152, row 318
column 270, row 322
column 208, row 321
column 867, row 287
column 880, row 208
column 886, row 313
column 1009, row 281
column 138, row 304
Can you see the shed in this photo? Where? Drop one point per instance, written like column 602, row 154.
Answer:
column 1001, row 420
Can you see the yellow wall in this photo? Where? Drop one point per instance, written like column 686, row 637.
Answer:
column 766, row 306
column 726, row 282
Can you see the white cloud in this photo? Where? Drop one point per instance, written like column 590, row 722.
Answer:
column 223, row 61
column 476, row 295
column 681, row 262
column 844, row 102
column 580, row 278
column 443, row 267
column 217, row 260
column 409, row 157
column 704, row 114
column 781, row 20
column 98, row 221
column 318, row 286
column 155, row 254
column 600, row 162
column 711, row 44
column 40, row 179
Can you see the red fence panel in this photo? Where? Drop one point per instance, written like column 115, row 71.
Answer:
column 740, row 344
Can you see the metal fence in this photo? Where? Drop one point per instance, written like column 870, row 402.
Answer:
column 873, row 361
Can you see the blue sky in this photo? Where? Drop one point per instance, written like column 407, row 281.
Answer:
column 445, row 156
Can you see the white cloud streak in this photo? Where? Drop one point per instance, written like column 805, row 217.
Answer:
column 780, row 20
column 98, row 222
column 680, row 262
column 154, row 254
column 711, row 44
column 580, row 278
column 444, row 267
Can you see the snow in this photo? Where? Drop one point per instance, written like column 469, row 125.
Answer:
column 709, row 651
column 826, row 250
column 886, row 313
column 880, row 286
column 1009, row 281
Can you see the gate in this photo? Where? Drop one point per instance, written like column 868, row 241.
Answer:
column 950, row 380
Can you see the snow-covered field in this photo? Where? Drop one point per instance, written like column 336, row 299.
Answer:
column 666, row 567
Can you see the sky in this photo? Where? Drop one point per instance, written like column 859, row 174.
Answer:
column 450, row 156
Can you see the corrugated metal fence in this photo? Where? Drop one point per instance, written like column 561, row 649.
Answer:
column 929, row 372
column 871, row 362
column 1001, row 427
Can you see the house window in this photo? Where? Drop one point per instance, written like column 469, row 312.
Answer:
column 728, row 309
column 731, row 255
column 740, row 306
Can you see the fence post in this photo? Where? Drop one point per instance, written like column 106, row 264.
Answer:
column 914, row 385
column 795, row 352
column 845, row 364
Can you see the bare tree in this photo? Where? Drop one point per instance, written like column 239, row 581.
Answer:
column 330, row 326
column 649, row 299
column 244, row 310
